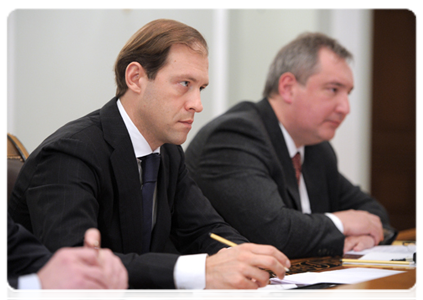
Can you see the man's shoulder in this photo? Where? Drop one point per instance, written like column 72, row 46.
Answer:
column 81, row 128
column 239, row 116
column 86, row 128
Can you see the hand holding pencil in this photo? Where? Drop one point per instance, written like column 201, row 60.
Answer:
column 244, row 266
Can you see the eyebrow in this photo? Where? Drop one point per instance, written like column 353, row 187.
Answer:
column 339, row 85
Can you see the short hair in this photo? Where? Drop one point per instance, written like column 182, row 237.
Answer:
column 300, row 57
column 150, row 46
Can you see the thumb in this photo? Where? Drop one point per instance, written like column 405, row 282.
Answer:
column 92, row 238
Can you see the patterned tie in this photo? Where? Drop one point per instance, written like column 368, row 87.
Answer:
column 296, row 160
column 150, row 168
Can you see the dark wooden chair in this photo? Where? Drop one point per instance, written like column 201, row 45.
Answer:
column 16, row 156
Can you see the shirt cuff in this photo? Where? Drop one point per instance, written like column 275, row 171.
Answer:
column 336, row 221
column 29, row 282
column 190, row 271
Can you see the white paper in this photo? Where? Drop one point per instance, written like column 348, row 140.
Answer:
column 260, row 291
column 344, row 276
column 409, row 249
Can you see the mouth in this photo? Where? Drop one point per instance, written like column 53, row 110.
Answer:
column 187, row 123
column 335, row 123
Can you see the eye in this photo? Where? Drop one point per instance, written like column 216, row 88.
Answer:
column 184, row 83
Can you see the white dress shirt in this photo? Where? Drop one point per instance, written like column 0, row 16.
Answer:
column 305, row 202
column 190, row 270
column 29, row 282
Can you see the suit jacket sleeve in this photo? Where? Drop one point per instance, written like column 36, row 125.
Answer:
column 25, row 254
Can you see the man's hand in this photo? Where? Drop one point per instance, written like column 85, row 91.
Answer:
column 358, row 243
column 358, row 222
column 73, row 268
column 241, row 267
column 114, row 272
column 84, row 268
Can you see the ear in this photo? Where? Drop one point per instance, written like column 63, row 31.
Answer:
column 134, row 76
column 287, row 82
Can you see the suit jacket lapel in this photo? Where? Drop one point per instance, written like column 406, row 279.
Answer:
column 271, row 123
column 126, row 174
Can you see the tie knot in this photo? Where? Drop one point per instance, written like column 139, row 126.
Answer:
column 150, row 167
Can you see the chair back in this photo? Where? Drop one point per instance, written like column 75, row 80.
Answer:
column 16, row 156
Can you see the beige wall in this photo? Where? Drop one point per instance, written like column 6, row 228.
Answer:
column 60, row 65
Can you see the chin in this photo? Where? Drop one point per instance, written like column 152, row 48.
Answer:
column 177, row 141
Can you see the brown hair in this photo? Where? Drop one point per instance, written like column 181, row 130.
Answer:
column 150, row 46
column 301, row 58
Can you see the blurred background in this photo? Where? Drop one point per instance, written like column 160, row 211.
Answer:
column 60, row 67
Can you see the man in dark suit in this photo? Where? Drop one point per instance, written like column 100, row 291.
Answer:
column 90, row 173
column 30, row 265
column 242, row 160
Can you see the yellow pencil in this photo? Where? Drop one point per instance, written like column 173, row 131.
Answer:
column 232, row 244
column 222, row 240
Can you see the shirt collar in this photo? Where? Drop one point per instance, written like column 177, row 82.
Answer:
column 140, row 144
column 292, row 149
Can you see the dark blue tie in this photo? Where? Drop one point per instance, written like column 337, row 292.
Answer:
column 150, row 168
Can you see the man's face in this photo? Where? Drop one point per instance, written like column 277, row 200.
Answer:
column 320, row 106
column 169, row 102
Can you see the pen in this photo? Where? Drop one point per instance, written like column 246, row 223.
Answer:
column 232, row 244
column 389, row 262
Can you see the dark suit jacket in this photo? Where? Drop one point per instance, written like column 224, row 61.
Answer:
column 241, row 163
column 86, row 175
column 25, row 254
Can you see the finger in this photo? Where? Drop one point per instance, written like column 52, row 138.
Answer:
column 269, row 263
column 259, row 277
column 378, row 232
column 113, row 269
column 110, row 268
column 365, row 242
column 79, row 254
column 122, row 279
column 269, row 251
column 243, row 281
column 348, row 245
column 94, row 277
column 359, row 246
column 92, row 238
column 122, row 273
column 377, row 236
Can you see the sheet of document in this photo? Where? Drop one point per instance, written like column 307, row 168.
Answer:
column 261, row 291
column 386, row 252
column 344, row 276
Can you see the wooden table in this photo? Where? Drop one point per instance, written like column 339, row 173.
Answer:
column 401, row 286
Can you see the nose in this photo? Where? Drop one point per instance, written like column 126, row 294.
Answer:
column 343, row 106
column 194, row 103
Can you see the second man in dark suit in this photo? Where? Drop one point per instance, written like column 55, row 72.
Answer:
column 243, row 163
